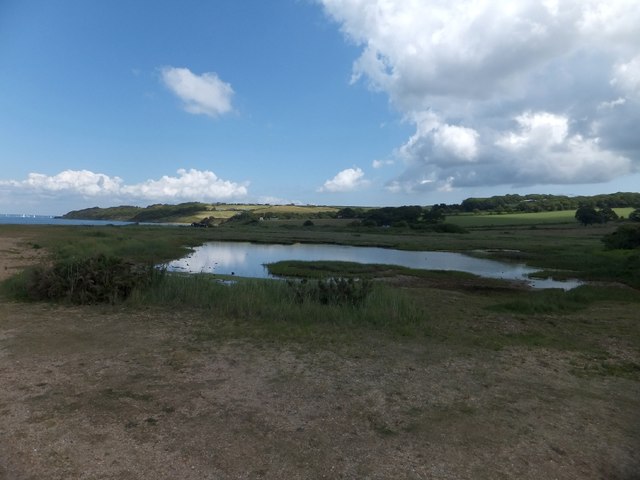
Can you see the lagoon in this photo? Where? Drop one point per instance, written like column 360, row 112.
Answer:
column 248, row 260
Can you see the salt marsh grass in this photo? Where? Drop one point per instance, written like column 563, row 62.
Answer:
column 266, row 303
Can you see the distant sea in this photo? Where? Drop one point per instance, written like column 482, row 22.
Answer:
column 12, row 219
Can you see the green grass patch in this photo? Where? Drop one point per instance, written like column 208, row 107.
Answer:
column 561, row 302
column 275, row 306
column 609, row 368
column 521, row 219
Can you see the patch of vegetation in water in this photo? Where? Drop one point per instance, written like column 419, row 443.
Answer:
column 326, row 268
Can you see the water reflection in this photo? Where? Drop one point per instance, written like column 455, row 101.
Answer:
column 248, row 259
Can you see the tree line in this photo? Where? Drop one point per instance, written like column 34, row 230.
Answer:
column 545, row 203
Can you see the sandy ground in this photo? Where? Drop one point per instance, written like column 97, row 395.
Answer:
column 104, row 393
column 15, row 254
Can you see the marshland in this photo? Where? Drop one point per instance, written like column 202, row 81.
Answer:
column 114, row 367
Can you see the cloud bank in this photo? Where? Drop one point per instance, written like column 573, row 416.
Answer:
column 202, row 94
column 188, row 185
column 502, row 92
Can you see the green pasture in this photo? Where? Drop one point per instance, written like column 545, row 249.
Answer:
column 519, row 219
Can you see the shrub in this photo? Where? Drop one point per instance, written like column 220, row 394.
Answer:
column 339, row 291
column 308, row 223
column 243, row 218
column 439, row 227
column 97, row 279
column 625, row 237
column 400, row 224
column 449, row 228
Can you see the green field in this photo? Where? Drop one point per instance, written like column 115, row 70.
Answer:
column 519, row 219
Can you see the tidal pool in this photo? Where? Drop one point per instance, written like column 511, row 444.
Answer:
column 246, row 259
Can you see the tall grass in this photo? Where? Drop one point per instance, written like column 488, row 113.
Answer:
column 275, row 303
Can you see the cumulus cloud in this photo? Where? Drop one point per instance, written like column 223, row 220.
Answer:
column 187, row 185
column 347, row 180
column 538, row 149
column 202, row 94
column 543, row 151
column 500, row 91
column 537, row 130
column 81, row 182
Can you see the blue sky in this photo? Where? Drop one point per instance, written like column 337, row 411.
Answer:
column 347, row 102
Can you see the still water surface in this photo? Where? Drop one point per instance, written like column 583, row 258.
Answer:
column 248, row 259
column 9, row 219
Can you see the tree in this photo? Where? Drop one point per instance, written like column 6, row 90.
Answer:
column 587, row 215
column 434, row 215
column 607, row 214
column 635, row 215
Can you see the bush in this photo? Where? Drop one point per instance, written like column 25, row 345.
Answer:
column 338, row 291
column 439, row 227
column 400, row 224
column 449, row 228
column 97, row 279
column 308, row 223
column 243, row 218
column 626, row 237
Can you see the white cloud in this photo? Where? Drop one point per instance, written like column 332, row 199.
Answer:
column 551, row 155
column 627, row 76
column 81, row 182
column 460, row 142
column 202, row 94
column 381, row 163
column 189, row 185
column 537, row 130
column 613, row 103
column 461, row 71
column 347, row 180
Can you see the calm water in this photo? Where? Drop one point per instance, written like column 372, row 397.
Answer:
column 49, row 220
column 247, row 260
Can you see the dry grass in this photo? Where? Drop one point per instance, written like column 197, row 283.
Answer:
column 109, row 393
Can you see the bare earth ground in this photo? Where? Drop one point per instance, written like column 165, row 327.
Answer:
column 101, row 393
column 15, row 254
